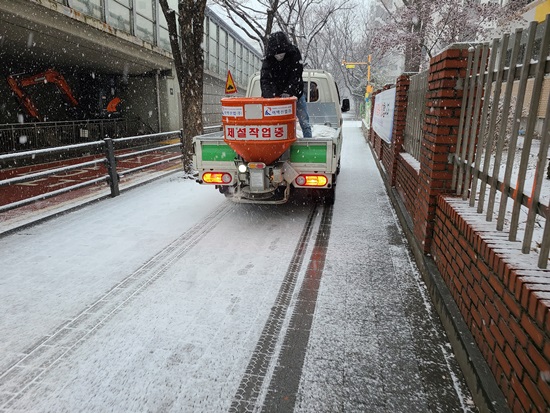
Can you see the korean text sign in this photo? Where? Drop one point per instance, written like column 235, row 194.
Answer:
column 382, row 120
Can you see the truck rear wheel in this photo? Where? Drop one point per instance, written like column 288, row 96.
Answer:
column 329, row 195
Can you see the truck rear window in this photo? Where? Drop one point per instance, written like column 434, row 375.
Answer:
column 313, row 95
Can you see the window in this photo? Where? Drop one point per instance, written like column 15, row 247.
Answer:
column 313, row 92
column 145, row 21
column 245, row 63
column 118, row 15
column 239, row 60
column 144, row 8
column 88, row 7
column 223, row 51
column 144, row 29
column 164, row 39
column 205, row 42
column 213, row 46
column 231, row 54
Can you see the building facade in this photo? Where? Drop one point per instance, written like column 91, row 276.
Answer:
column 107, row 49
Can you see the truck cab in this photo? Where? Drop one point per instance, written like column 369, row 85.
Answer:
column 320, row 90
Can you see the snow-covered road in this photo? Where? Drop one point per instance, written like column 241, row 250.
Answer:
column 172, row 299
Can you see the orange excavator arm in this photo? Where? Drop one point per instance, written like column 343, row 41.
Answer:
column 23, row 97
column 17, row 83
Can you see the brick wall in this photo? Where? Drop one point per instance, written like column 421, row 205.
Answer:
column 506, row 306
column 387, row 156
column 406, row 182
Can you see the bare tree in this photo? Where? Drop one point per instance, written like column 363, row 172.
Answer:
column 347, row 37
column 421, row 28
column 256, row 20
column 189, row 63
column 304, row 20
column 301, row 20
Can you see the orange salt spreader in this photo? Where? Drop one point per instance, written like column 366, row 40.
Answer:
column 259, row 129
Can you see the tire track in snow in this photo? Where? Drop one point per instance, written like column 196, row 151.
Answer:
column 248, row 392
column 282, row 391
column 41, row 356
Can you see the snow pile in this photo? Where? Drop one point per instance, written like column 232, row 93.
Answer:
column 318, row 131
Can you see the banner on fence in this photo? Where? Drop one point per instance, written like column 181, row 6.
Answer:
column 382, row 119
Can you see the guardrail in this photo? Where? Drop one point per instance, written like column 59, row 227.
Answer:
column 114, row 151
column 210, row 129
column 42, row 135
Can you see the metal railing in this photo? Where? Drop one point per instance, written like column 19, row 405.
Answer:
column 490, row 130
column 114, row 152
column 31, row 136
column 416, row 108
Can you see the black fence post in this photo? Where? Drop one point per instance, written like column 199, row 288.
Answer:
column 111, row 166
column 182, row 147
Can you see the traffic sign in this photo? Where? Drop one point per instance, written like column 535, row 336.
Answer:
column 230, row 86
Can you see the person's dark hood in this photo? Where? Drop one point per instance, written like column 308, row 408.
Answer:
column 277, row 43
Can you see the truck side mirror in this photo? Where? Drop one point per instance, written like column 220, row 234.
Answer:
column 345, row 105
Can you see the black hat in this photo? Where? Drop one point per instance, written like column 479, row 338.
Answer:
column 277, row 43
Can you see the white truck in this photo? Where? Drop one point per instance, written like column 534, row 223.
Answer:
column 305, row 164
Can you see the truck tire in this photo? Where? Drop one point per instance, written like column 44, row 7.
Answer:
column 329, row 195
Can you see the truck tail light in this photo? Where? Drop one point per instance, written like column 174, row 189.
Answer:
column 311, row 180
column 217, row 178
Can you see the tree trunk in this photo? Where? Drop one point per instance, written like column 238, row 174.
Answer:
column 189, row 64
column 413, row 50
column 191, row 19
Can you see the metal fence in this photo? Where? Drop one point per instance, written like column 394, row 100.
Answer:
column 497, row 164
column 114, row 150
column 31, row 136
column 416, row 109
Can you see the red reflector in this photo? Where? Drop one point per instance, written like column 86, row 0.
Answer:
column 217, row 177
column 311, row 180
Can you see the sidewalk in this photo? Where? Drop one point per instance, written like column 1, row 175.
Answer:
column 383, row 346
column 50, row 207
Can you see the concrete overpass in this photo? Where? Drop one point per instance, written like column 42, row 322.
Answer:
column 98, row 61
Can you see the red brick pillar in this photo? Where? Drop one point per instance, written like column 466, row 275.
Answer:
column 444, row 99
column 399, row 122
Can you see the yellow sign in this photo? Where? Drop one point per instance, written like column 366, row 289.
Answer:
column 230, row 86
column 350, row 66
column 542, row 10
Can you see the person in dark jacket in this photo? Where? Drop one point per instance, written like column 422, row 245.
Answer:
column 281, row 76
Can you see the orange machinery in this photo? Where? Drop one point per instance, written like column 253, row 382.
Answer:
column 258, row 129
column 20, row 81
